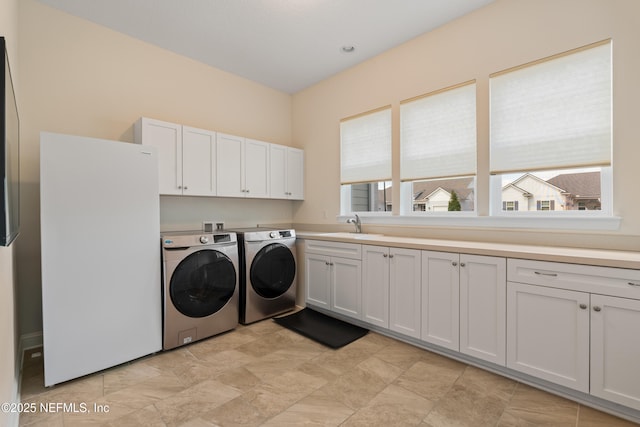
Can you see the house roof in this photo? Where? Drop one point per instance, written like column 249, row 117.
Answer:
column 423, row 189
column 583, row 184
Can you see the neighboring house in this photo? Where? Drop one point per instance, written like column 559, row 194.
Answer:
column 434, row 196
column 582, row 190
column 575, row 191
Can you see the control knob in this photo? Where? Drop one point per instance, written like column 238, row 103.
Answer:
column 204, row 239
column 273, row 234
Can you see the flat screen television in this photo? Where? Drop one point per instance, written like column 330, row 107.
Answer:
column 9, row 154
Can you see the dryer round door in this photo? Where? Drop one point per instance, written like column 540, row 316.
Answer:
column 202, row 283
column 273, row 270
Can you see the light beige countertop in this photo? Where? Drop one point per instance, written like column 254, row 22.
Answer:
column 600, row 257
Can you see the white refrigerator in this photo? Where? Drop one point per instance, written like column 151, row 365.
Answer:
column 100, row 240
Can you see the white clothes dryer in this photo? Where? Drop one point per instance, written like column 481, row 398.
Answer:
column 200, row 285
column 268, row 272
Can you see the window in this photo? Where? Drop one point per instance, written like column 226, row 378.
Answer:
column 365, row 162
column 510, row 206
column 442, row 195
column 551, row 133
column 438, row 150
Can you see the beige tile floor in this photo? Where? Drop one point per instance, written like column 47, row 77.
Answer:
column 265, row 375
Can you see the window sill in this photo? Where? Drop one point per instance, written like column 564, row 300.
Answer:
column 470, row 220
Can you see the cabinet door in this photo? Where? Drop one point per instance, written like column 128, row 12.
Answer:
column 295, row 173
column 548, row 334
column 404, row 291
column 483, row 302
column 615, row 349
column 346, row 286
column 167, row 138
column 229, row 165
column 375, row 285
column 198, row 162
column 318, row 280
column 440, row 299
column 278, row 172
column 256, row 168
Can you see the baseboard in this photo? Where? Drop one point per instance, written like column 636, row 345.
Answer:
column 29, row 341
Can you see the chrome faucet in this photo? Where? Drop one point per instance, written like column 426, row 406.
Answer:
column 356, row 221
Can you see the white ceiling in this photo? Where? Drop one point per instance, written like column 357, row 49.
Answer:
column 284, row 44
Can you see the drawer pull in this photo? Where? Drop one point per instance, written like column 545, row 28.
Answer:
column 633, row 284
column 539, row 273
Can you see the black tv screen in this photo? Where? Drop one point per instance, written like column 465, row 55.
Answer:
column 9, row 154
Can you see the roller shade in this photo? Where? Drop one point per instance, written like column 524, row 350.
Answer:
column 553, row 114
column 365, row 147
column 438, row 134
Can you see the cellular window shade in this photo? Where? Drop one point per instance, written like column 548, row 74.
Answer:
column 554, row 114
column 365, row 148
column 438, row 135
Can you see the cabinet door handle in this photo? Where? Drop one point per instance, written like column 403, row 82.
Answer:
column 385, row 255
column 597, row 308
column 390, row 255
column 330, row 263
column 454, row 263
column 326, row 263
column 462, row 264
column 633, row 284
column 546, row 274
column 583, row 306
column 185, row 187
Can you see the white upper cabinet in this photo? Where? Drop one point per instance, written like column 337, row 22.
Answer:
column 167, row 138
column 242, row 167
column 256, row 165
column 198, row 162
column 286, row 172
column 186, row 156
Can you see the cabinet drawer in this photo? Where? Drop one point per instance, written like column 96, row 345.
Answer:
column 338, row 249
column 586, row 278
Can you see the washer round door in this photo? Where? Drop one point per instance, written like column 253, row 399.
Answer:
column 202, row 283
column 273, row 270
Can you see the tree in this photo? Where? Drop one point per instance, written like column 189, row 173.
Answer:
column 454, row 203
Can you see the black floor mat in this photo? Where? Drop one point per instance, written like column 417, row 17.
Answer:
column 326, row 330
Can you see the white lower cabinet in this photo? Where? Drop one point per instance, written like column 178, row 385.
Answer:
column 441, row 299
column 391, row 288
column 562, row 328
column 548, row 334
column 375, row 285
column 483, row 301
column 463, row 303
column 333, row 277
column 568, row 324
column 615, row 349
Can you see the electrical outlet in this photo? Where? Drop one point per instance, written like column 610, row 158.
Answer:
column 220, row 225
column 207, row 226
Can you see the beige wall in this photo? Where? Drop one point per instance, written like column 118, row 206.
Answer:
column 80, row 78
column 9, row 358
column 502, row 35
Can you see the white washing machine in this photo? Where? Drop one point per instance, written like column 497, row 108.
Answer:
column 268, row 272
column 200, row 285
